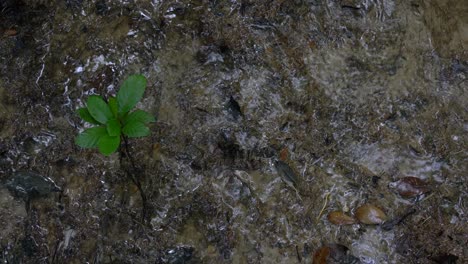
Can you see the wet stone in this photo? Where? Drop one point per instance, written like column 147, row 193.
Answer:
column 101, row 7
column 28, row 185
column 178, row 255
column 234, row 108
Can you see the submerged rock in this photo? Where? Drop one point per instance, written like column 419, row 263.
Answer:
column 178, row 255
column 28, row 185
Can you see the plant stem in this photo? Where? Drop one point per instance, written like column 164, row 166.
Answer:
column 130, row 174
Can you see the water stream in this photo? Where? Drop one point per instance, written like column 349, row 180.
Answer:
column 351, row 95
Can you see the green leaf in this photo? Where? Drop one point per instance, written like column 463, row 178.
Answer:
column 108, row 145
column 90, row 137
column 135, row 129
column 98, row 109
column 131, row 92
column 86, row 116
column 140, row 116
column 113, row 127
column 113, row 106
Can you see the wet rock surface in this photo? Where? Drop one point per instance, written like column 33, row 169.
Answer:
column 351, row 96
column 29, row 185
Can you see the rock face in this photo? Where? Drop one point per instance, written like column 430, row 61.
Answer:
column 28, row 185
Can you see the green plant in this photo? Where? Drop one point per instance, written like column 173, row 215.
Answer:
column 113, row 118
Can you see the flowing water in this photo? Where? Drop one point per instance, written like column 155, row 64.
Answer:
column 270, row 115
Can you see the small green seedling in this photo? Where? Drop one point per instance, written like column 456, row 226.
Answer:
column 113, row 119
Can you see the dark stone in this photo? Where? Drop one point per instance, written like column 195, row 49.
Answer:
column 375, row 180
column 28, row 185
column 74, row 4
column 177, row 255
column 101, row 8
column 234, row 108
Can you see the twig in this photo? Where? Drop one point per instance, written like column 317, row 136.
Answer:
column 135, row 179
column 324, row 206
